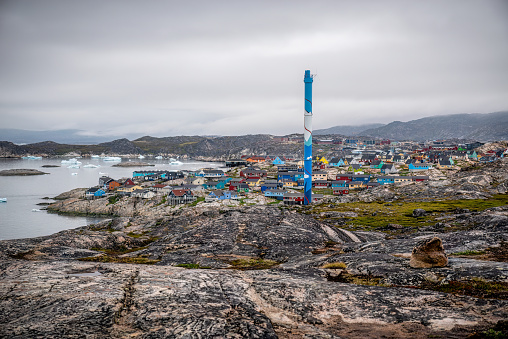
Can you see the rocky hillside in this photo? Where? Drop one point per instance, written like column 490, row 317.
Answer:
column 184, row 146
column 482, row 127
column 346, row 130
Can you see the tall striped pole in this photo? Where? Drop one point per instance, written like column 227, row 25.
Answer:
column 307, row 136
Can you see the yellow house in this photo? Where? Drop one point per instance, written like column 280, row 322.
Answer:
column 128, row 188
column 319, row 175
column 289, row 183
column 324, row 161
column 356, row 184
column 401, row 179
column 253, row 182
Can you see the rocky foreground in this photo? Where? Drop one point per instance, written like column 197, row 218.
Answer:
column 256, row 271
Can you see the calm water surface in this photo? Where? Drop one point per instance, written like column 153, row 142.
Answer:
column 17, row 220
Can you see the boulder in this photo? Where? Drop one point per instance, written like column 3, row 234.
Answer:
column 428, row 253
column 419, row 212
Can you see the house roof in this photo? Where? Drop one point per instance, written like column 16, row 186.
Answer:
column 94, row 189
column 276, row 191
column 180, row 192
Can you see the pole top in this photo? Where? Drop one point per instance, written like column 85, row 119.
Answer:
column 308, row 77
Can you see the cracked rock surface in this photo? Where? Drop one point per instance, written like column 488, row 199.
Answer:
column 45, row 292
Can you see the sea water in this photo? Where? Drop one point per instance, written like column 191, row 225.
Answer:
column 24, row 193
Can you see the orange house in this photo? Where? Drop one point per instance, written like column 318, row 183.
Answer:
column 256, row 159
column 112, row 185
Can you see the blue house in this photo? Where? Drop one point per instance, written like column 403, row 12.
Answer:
column 275, row 193
column 94, row 192
column 339, row 183
column 222, row 195
column 295, row 176
column 336, row 162
column 266, row 186
column 365, row 178
column 278, row 161
column 419, row 166
column 383, row 180
column 217, row 185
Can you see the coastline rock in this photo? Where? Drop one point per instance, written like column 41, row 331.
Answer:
column 428, row 253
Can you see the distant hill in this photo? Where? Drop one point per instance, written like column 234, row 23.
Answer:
column 481, row 127
column 346, row 130
column 64, row 136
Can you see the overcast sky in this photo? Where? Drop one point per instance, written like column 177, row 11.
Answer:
column 235, row 67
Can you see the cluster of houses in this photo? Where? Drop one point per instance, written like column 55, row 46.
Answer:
column 365, row 169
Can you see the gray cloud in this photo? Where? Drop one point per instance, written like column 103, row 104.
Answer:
column 232, row 67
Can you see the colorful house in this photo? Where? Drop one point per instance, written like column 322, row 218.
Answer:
column 320, row 183
column 295, row 176
column 339, row 183
column 388, row 168
column 385, row 180
column 319, row 175
column 323, row 160
column 278, row 161
column 414, row 167
column 275, row 193
column 336, row 162
column 340, row 190
column 221, row 195
column 356, row 185
column 377, row 164
column 94, row 192
column 215, row 185
column 356, row 168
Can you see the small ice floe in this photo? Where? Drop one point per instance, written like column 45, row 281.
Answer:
column 74, row 173
column 36, row 210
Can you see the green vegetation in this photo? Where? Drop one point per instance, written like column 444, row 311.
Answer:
column 253, row 264
column 469, row 252
column 123, row 260
column 337, row 264
column 475, row 287
column 192, row 266
column 113, row 199
column 163, row 201
column 198, row 200
column 379, row 214
column 359, row 279
column 491, row 333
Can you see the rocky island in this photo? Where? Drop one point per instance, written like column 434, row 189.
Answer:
column 132, row 164
column 21, row 172
column 415, row 260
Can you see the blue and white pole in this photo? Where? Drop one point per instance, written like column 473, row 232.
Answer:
column 307, row 136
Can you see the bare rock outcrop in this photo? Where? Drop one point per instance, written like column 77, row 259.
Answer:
column 429, row 253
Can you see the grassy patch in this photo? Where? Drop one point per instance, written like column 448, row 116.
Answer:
column 469, row 252
column 475, row 287
column 198, row 200
column 113, row 199
column 193, row 266
column 253, row 264
column 338, row 264
column 374, row 215
column 357, row 279
column 163, row 201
